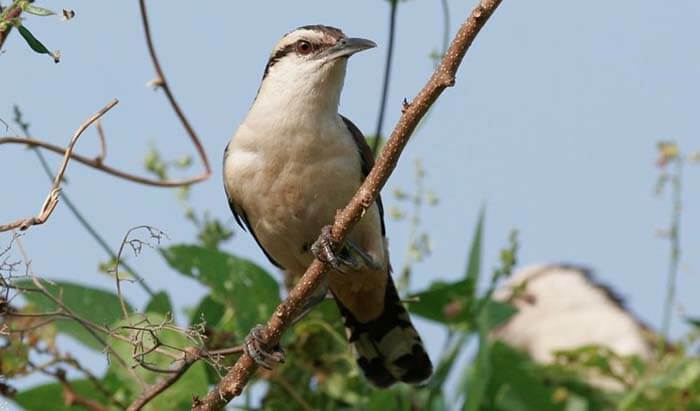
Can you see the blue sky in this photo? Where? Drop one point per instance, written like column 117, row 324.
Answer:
column 552, row 125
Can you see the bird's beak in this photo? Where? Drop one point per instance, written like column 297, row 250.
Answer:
column 347, row 47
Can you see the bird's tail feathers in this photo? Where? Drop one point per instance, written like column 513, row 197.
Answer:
column 388, row 348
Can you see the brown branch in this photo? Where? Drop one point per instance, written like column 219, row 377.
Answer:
column 71, row 398
column 98, row 165
column 52, row 199
column 444, row 76
column 189, row 357
column 12, row 12
column 97, row 162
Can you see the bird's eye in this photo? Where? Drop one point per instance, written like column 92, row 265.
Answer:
column 304, row 47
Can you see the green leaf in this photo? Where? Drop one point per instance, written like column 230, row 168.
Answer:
column 176, row 397
column 35, row 44
column 49, row 397
column 235, row 282
column 383, row 400
column 451, row 303
column 695, row 322
column 160, row 303
column 495, row 313
column 474, row 263
column 95, row 305
column 480, row 373
column 38, row 11
column 208, row 310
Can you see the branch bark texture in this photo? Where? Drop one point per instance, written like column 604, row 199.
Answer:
column 444, row 76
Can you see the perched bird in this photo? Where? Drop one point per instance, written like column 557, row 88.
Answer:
column 292, row 163
column 562, row 307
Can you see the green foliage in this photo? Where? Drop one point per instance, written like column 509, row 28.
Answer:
column 121, row 378
column 49, row 397
column 97, row 306
column 236, row 283
column 160, row 304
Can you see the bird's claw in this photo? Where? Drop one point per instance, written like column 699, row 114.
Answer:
column 254, row 347
column 324, row 249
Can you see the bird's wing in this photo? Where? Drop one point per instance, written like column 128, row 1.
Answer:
column 242, row 219
column 367, row 161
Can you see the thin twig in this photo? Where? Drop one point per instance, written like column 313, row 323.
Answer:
column 73, row 208
column 445, row 26
column 444, row 76
column 52, row 199
column 97, row 163
column 674, row 252
column 394, row 4
column 92, row 162
column 163, row 83
column 182, row 365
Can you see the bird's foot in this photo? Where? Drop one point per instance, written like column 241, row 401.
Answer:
column 324, row 249
column 254, row 346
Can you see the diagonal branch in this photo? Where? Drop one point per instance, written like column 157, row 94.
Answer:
column 444, row 76
column 52, row 199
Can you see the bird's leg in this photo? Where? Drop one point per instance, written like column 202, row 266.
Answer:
column 324, row 249
column 254, row 346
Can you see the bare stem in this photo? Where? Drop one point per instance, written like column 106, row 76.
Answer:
column 52, row 199
column 387, row 76
column 675, row 250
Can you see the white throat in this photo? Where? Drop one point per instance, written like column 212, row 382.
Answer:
column 299, row 92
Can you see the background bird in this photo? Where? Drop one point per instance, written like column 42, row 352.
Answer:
column 292, row 163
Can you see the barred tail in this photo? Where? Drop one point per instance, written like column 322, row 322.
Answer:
column 388, row 348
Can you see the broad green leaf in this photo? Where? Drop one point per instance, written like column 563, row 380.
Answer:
column 235, row 282
column 209, row 310
column 38, row 11
column 178, row 396
column 35, row 44
column 98, row 306
column 444, row 302
column 160, row 303
column 49, row 397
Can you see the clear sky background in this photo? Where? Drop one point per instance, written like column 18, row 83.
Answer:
column 552, row 124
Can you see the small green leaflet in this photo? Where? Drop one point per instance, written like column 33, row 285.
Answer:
column 36, row 45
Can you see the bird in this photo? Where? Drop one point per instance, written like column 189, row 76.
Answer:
column 563, row 307
column 291, row 164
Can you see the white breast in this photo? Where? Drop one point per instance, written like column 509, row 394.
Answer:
column 290, row 180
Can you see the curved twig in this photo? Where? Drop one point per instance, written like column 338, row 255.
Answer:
column 444, row 76
column 163, row 83
column 97, row 162
column 52, row 199
column 74, row 208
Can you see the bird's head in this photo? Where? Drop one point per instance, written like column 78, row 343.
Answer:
column 310, row 61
